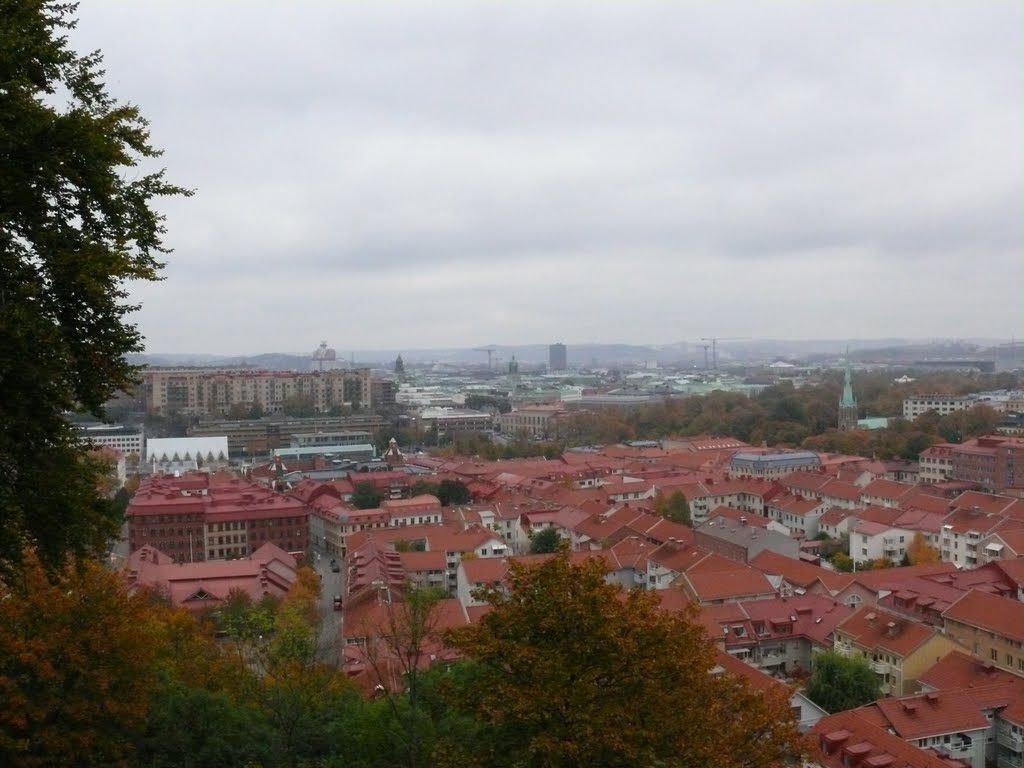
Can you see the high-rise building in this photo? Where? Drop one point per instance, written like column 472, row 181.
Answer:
column 558, row 358
column 847, row 405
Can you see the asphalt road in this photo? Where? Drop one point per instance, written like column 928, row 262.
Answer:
column 331, row 584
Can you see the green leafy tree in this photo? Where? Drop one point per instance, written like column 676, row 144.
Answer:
column 76, row 224
column 366, row 496
column 675, row 508
column 425, row 488
column 545, row 541
column 840, row 682
column 299, row 406
column 575, row 671
column 453, row 492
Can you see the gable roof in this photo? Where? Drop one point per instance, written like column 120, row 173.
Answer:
column 1001, row 615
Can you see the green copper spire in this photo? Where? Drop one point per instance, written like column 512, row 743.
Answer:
column 847, row 401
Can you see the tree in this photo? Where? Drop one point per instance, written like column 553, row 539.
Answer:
column 920, row 552
column 840, row 682
column 366, row 495
column 675, row 508
column 425, row 488
column 453, row 492
column 299, row 406
column 545, row 541
column 575, row 671
column 76, row 666
column 76, row 225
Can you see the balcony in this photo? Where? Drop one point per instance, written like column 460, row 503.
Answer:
column 771, row 660
column 1010, row 762
column 1008, row 740
column 880, row 667
column 885, row 688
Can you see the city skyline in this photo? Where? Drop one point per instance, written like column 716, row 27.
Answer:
column 418, row 176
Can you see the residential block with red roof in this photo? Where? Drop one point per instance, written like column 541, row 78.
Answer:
column 989, row 626
column 899, row 649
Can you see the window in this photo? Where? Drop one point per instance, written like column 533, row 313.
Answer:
column 994, row 654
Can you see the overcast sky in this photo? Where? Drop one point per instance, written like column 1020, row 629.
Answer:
column 425, row 174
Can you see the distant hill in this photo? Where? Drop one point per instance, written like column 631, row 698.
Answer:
column 595, row 354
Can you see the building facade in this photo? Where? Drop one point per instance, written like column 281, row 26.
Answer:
column 205, row 391
column 558, row 358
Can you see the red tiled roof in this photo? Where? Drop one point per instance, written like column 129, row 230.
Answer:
column 933, row 714
column 873, row 627
column 961, row 670
column 740, row 582
column 798, row 572
column 834, row 736
column 993, row 613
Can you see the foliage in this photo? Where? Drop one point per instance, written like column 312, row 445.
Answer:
column 366, row 496
column 545, row 541
column 574, row 671
column 920, row 552
column 842, row 562
column 76, row 666
column 675, row 507
column 839, row 682
column 76, row 226
column 453, row 492
column 299, row 406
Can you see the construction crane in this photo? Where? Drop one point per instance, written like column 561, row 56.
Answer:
column 714, row 346
column 706, row 348
column 489, row 351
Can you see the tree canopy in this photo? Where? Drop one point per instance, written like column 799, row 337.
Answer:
column 575, row 671
column 840, row 682
column 544, row 541
column 366, row 495
column 77, row 224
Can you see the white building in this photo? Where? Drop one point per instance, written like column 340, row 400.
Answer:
column 186, row 454
column 942, row 404
column 115, row 436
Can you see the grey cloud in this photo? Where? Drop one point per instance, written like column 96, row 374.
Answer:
column 551, row 160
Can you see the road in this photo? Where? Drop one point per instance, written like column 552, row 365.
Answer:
column 331, row 584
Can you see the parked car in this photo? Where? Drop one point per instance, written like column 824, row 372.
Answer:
column 337, row 602
column 335, row 567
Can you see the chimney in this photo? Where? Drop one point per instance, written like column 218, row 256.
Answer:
column 871, row 618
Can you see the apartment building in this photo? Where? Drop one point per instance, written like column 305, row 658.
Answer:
column 936, row 463
column 773, row 465
column 943, row 405
column 899, row 649
column 989, row 626
column 205, row 391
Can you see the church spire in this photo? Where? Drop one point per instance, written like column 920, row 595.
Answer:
column 847, row 403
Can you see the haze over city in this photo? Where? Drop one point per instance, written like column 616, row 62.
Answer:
column 407, row 175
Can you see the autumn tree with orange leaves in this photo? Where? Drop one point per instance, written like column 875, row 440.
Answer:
column 920, row 552
column 76, row 665
column 575, row 671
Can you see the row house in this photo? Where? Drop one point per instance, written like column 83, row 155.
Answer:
column 899, row 650
column 990, row 626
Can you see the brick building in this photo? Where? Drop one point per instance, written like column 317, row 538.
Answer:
column 199, row 517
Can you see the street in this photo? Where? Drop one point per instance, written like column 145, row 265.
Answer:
column 331, row 584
